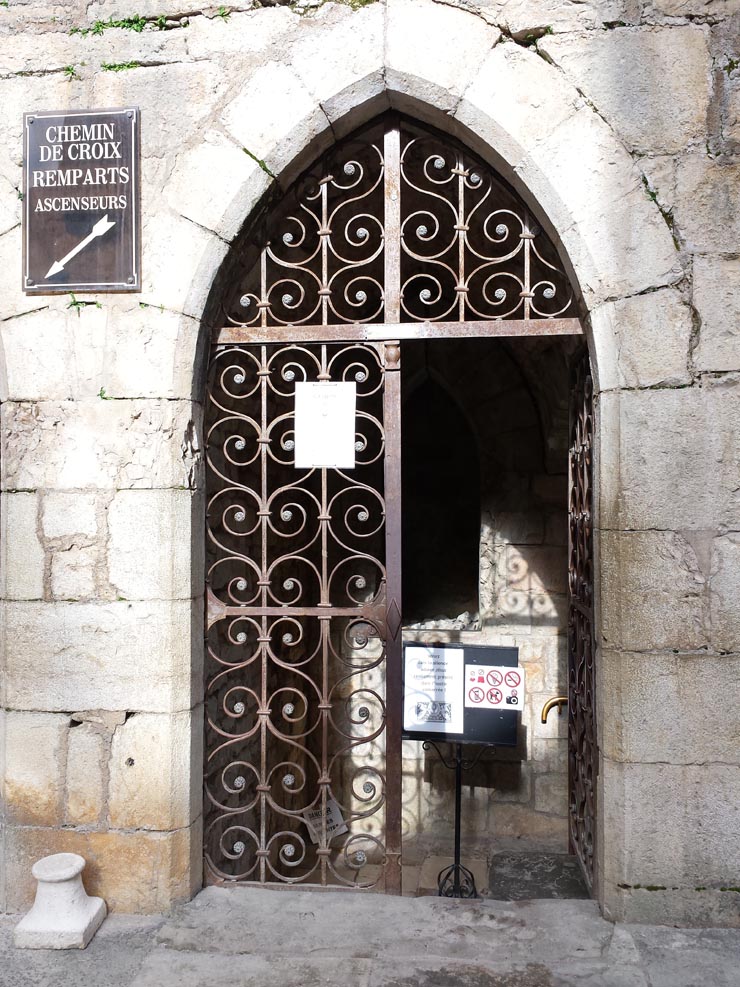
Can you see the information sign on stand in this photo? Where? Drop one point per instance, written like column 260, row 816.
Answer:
column 466, row 693
column 81, row 229
column 462, row 694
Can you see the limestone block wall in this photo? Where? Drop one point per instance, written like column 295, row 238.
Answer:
column 620, row 119
column 102, row 639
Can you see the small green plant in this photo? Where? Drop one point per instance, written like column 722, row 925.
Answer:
column 529, row 39
column 103, row 396
column 259, row 161
column 649, row 192
column 70, row 72
column 119, row 66
column 731, row 65
column 3, row 3
column 667, row 214
column 136, row 23
column 223, row 12
column 78, row 304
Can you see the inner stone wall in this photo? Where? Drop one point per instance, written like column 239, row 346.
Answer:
column 520, row 796
column 620, row 119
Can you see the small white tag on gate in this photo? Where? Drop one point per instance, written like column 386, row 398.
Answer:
column 325, row 424
column 335, row 824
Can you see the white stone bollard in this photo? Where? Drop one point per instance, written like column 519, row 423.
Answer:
column 63, row 915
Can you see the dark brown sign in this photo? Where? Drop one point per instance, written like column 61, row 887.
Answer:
column 81, row 228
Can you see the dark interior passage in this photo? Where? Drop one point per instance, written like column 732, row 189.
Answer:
column 484, row 456
column 441, row 488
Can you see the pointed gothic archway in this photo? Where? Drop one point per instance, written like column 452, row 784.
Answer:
column 397, row 233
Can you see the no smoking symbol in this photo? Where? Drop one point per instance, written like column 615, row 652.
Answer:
column 494, row 696
column 476, row 695
column 512, row 679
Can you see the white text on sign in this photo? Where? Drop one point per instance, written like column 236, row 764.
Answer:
column 80, row 143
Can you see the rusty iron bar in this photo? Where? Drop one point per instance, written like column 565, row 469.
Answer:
column 366, row 332
column 393, row 637
column 583, row 759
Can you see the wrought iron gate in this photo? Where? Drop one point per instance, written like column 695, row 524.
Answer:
column 303, row 677
column 583, row 760
column 397, row 232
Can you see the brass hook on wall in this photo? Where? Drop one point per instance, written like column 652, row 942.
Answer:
column 558, row 701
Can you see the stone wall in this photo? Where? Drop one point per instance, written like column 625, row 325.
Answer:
column 621, row 119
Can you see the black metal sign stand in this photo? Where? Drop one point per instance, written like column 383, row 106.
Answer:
column 457, row 881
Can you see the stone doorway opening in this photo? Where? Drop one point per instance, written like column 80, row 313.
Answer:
column 485, row 439
column 397, row 241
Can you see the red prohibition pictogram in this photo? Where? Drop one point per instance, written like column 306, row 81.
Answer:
column 494, row 696
column 476, row 695
column 494, row 677
column 512, row 678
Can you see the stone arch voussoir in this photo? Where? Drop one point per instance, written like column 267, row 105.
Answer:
column 507, row 103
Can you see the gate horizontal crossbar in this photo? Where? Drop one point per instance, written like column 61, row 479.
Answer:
column 375, row 332
column 375, row 614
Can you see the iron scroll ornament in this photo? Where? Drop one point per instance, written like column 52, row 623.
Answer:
column 469, row 249
column 295, row 683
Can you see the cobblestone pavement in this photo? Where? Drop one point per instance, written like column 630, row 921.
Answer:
column 241, row 937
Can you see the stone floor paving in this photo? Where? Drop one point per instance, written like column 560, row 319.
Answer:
column 243, row 937
column 521, row 876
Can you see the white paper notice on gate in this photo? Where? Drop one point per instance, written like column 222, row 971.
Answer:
column 325, row 424
column 494, row 687
column 335, row 824
column 433, row 690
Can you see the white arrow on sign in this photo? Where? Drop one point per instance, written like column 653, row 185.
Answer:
column 102, row 226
